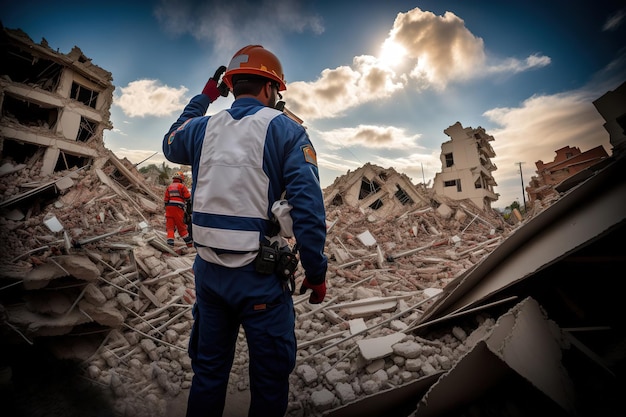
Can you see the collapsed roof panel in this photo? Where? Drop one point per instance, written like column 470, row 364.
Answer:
column 584, row 214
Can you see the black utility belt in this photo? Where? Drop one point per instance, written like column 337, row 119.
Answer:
column 272, row 259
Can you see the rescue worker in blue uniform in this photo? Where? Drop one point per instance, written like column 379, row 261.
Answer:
column 245, row 160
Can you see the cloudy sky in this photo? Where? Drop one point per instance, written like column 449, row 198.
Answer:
column 374, row 82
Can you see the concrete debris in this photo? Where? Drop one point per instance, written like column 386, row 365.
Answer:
column 119, row 284
column 85, row 270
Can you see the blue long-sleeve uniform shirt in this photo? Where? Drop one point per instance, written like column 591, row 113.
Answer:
column 244, row 159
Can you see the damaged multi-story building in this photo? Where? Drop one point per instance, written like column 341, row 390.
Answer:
column 466, row 166
column 567, row 162
column 51, row 103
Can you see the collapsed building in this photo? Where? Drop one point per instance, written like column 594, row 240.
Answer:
column 567, row 162
column 430, row 299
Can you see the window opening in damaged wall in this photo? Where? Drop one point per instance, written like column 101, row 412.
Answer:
column 86, row 130
column 402, row 196
column 376, row 204
column 69, row 161
column 368, row 188
column 28, row 113
column 83, row 94
column 20, row 152
column 23, row 67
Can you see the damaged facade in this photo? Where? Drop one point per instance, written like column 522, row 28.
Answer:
column 51, row 103
column 430, row 298
column 380, row 191
column 567, row 162
column 466, row 166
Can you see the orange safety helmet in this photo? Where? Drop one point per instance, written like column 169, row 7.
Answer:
column 179, row 176
column 254, row 59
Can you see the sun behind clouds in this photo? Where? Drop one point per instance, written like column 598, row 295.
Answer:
column 391, row 53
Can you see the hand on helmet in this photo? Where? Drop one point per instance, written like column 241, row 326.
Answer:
column 212, row 89
column 318, row 290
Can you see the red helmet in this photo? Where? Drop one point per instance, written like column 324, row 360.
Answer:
column 179, row 176
column 254, row 59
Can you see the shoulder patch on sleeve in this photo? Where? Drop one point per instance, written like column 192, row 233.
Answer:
column 309, row 154
column 170, row 139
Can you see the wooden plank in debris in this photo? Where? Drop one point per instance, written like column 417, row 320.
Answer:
column 129, row 175
column 150, row 296
column 153, row 241
column 143, row 266
column 168, row 275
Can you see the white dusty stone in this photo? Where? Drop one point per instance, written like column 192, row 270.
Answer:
column 375, row 366
column 408, row 349
column 398, row 325
column 335, row 376
column 380, row 376
column 322, row 400
column 307, row 373
column 413, row 365
column 428, row 369
column 345, row 392
column 370, row 387
column 459, row 333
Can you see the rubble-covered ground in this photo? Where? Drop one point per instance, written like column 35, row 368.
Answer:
column 85, row 275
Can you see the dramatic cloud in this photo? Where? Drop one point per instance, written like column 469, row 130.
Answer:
column 341, row 89
column 513, row 65
column 615, row 21
column 147, row 98
column 229, row 24
column 387, row 137
column 422, row 51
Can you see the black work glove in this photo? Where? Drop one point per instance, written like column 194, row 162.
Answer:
column 212, row 89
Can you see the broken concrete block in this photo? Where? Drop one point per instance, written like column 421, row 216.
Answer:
column 357, row 325
column 366, row 238
column 379, row 347
column 307, row 373
column 345, row 392
column 408, row 349
column 444, row 211
column 322, row 400
column 335, row 376
column 375, row 366
column 94, row 295
column 79, row 267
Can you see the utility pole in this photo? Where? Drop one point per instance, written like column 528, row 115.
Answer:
column 522, row 178
column 423, row 179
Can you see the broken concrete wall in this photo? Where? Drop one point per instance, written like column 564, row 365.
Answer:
column 380, row 192
column 51, row 103
column 466, row 167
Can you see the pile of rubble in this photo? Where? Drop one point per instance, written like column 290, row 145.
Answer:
column 83, row 254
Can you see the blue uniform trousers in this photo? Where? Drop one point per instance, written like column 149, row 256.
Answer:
column 225, row 299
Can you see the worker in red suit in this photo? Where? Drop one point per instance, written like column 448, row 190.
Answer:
column 176, row 197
